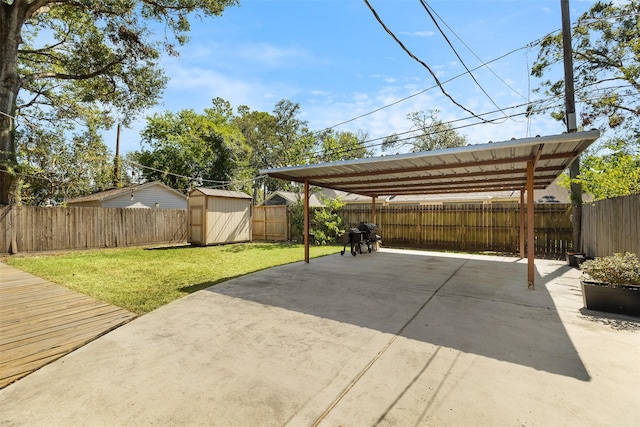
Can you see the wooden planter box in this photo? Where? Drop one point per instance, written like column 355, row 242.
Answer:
column 599, row 297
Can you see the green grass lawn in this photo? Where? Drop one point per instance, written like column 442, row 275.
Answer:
column 141, row 280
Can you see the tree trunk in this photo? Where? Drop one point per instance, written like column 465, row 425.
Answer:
column 12, row 18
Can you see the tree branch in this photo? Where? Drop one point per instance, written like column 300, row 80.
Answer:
column 63, row 76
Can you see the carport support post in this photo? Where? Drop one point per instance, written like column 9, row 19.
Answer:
column 530, row 225
column 306, row 221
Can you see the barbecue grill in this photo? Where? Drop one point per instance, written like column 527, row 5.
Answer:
column 365, row 234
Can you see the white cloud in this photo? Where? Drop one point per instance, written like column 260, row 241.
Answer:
column 418, row 33
column 272, row 56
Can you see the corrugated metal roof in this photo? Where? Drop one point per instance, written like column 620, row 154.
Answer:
column 499, row 166
column 222, row 193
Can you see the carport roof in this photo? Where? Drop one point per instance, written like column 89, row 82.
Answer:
column 494, row 166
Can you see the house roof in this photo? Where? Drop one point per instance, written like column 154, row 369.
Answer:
column 292, row 198
column 221, row 193
column 102, row 196
column 500, row 166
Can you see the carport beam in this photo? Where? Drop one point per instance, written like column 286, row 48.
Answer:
column 306, row 221
column 530, row 225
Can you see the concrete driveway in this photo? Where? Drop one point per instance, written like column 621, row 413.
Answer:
column 392, row 338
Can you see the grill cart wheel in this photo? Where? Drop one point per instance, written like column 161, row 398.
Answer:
column 341, row 252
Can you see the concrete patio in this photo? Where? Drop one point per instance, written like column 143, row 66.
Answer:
column 394, row 337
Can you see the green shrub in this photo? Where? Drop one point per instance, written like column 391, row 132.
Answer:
column 615, row 270
column 327, row 224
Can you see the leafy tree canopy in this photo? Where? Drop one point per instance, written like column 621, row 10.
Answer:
column 277, row 139
column 336, row 145
column 610, row 170
column 428, row 133
column 85, row 63
column 58, row 169
column 188, row 149
column 606, row 59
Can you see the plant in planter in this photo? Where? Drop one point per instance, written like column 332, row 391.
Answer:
column 612, row 284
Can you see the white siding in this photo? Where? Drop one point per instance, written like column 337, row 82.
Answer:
column 147, row 198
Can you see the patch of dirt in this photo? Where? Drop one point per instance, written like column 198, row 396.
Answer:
column 618, row 324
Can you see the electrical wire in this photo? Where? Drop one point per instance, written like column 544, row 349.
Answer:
column 529, row 45
column 397, row 40
column 472, row 52
column 426, row 7
column 543, row 105
column 511, row 52
column 224, row 183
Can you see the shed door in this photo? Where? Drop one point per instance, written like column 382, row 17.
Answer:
column 196, row 225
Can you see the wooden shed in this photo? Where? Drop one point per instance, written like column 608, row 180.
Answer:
column 219, row 216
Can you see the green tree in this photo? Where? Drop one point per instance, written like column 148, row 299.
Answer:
column 207, row 148
column 294, row 141
column 83, row 61
column 614, row 170
column 606, row 59
column 325, row 223
column 429, row 133
column 277, row 140
column 327, row 226
column 259, row 130
column 57, row 169
column 333, row 146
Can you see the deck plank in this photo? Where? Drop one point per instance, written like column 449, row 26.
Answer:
column 41, row 321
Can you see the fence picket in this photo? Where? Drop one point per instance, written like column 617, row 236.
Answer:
column 466, row 226
column 48, row 229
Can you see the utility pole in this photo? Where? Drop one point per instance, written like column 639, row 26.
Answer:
column 570, row 117
column 116, row 162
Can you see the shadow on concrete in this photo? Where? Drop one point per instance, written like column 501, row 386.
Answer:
column 472, row 304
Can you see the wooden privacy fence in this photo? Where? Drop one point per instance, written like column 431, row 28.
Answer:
column 467, row 226
column 269, row 223
column 611, row 225
column 35, row 229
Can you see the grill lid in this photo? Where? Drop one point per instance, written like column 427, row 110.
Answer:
column 367, row 227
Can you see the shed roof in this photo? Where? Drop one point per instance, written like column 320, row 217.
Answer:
column 221, row 193
column 499, row 166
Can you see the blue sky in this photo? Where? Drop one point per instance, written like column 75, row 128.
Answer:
column 335, row 60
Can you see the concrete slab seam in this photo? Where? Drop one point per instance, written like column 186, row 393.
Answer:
column 383, row 350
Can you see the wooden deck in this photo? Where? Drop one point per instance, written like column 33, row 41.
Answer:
column 41, row 322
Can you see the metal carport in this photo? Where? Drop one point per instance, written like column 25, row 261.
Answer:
column 517, row 165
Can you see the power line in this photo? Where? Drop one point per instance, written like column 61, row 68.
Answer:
column 423, row 91
column 544, row 104
column 472, row 52
column 222, row 183
column 483, row 64
column 375, row 14
column 426, row 7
